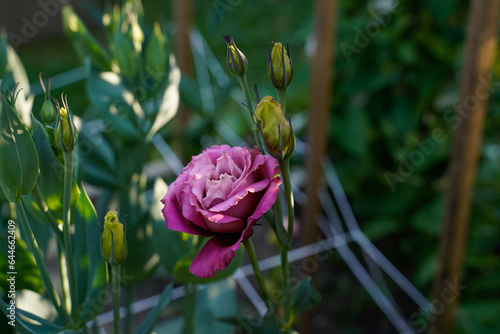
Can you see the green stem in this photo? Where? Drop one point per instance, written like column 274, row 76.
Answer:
column 286, row 289
column 285, row 173
column 282, row 99
column 63, row 277
column 258, row 274
column 70, row 264
column 115, row 286
column 248, row 101
column 37, row 195
column 33, row 245
column 190, row 308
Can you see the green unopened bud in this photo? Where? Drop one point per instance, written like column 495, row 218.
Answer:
column 124, row 54
column 276, row 130
column 66, row 134
column 48, row 112
column 113, row 228
column 156, row 54
column 236, row 61
column 279, row 66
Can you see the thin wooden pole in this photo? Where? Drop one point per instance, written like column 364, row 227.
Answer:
column 319, row 109
column 183, row 18
column 469, row 118
column 322, row 69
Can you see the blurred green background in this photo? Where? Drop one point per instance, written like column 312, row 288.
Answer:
column 388, row 97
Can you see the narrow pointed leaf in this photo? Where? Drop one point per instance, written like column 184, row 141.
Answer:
column 19, row 172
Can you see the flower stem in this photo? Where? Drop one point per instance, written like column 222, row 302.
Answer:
column 63, row 277
column 285, row 174
column 116, row 272
column 33, row 245
column 287, row 183
column 190, row 308
column 255, row 265
column 70, row 264
column 37, row 195
column 248, row 101
column 286, row 289
column 282, row 99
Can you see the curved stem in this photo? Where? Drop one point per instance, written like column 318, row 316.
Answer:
column 70, row 264
column 26, row 228
column 256, row 133
column 255, row 265
column 115, row 286
column 37, row 195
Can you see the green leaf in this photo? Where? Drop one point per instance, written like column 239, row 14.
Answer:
column 114, row 103
column 91, row 270
column 170, row 100
column 80, row 35
column 28, row 274
column 148, row 323
column 24, row 326
column 51, row 179
column 305, row 296
column 182, row 275
column 19, row 171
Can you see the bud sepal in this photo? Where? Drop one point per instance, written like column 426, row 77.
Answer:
column 65, row 134
column 276, row 130
column 114, row 243
column 279, row 66
column 236, row 61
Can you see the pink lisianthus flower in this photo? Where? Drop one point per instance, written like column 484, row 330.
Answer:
column 221, row 194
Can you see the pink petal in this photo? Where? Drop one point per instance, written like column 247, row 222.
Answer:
column 173, row 216
column 222, row 223
column 271, row 194
column 243, row 203
column 226, row 165
column 215, row 255
column 217, row 190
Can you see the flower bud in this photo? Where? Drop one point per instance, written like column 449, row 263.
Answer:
column 113, row 229
column 66, row 134
column 236, row 61
column 276, row 130
column 123, row 53
column 279, row 66
column 48, row 112
column 156, row 54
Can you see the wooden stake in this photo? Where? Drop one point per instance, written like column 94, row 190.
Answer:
column 183, row 18
column 470, row 112
column 322, row 69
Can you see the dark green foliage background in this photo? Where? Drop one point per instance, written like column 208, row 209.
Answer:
column 388, row 97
